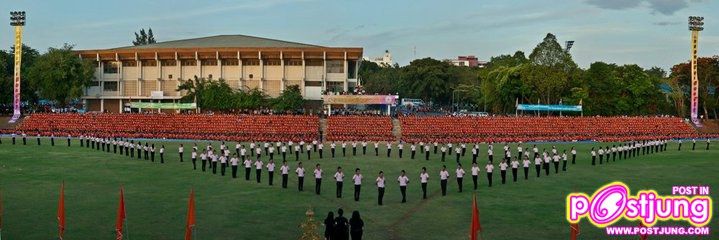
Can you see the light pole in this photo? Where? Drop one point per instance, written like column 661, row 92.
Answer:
column 17, row 20
column 696, row 25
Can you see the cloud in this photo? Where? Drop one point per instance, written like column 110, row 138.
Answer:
column 665, row 7
column 666, row 23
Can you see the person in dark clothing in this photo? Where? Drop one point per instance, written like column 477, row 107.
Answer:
column 329, row 225
column 356, row 225
column 341, row 227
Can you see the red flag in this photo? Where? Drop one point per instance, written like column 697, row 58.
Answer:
column 573, row 231
column 475, row 227
column 61, row 212
column 642, row 236
column 190, row 216
column 120, row 215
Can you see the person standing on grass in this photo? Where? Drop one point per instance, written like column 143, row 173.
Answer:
column 297, row 152
column 300, row 171
column 258, row 169
column 694, row 143
column 423, row 179
column 203, row 158
column 475, row 152
column 354, row 148
column 400, row 148
column 258, row 152
column 321, row 149
column 490, row 168
column 475, row 174
column 69, row 139
column 237, row 149
column 503, row 170
column 443, row 178
column 152, row 150
column 376, row 149
column 271, row 152
column 413, row 150
column 223, row 164
column 339, row 179
column 357, row 179
column 329, row 226
column 333, row 145
column 318, row 179
column 389, row 148
column 426, row 152
column 248, row 168
column 515, row 166
column 364, row 148
column 564, row 160
column 574, row 155
column 52, row 140
column 38, row 139
column 708, row 141
column 234, row 162
column 458, row 152
column 594, row 157
column 271, row 171
column 601, row 155
column 344, row 149
column 309, row 151
column 525, row 164
column 214, row 160
column 341, row 226
column 162, row 154
column 490, row 153
column 547, row 159
column 444, row 152
column 555, row 160
column 283, row 149
column 460, row 176
column 284, row 170
column 24, row 139
column 356, row 226
column 435, row 144
column 380, row 187
column 403, row 181
column 680, row 145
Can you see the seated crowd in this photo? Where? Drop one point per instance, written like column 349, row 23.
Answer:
column 359, row 128
column 516, row 129
column 184, row 126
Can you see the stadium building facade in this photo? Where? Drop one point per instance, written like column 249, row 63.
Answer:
column 151, row 73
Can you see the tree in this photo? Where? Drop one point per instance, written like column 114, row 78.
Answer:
column 289, row 100
column 144, row 38
column 708, row 73
column 60, row 75
column 550, row 53
column 7, row 70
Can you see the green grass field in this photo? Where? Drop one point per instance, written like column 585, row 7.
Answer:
column 156, row 195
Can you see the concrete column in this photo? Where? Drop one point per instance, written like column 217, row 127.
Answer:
column 121, row 106
column 345, row 73
column 282, row 65
column 324, row 71
column 262, row 72
column 159, row 71
column 139, row 76
column 102, row 105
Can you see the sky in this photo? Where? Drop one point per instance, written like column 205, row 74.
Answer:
column 644, row 32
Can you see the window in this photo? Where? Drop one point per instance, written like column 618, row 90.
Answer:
column 149, row 63
column 110, row 86
column 230, row 62
column 313, row 83
column 313, row 62
column 251, row 62
column 188, row 62
column 110, row 67
column 293, row 62
column 335, row 66
column 351, row 69
column 335, row 86
column 209, row 62
column 129, row 63
column 272, row 62
column 168, row 62
column 94, row 84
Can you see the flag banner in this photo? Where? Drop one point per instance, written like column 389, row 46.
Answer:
column 119, row 222
column 190, row 216
column 360, row 99
column 541, row 107
column 475, row 226
column 163, row 105
column 61, row 212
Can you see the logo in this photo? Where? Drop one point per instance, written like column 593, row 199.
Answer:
column 614, row 201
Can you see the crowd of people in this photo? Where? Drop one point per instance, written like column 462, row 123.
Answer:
column 359, row 128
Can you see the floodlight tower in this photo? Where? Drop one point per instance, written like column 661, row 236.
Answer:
column 17, row 19
column 696, row 25
column 568, row 45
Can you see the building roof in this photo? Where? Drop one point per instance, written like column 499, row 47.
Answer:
column 223, row 41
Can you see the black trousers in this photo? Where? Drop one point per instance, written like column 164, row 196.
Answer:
column 247, row 173
column 403, row 190
column 412, row 155
column 489, row 179
column 443, row 155
column 357, row 192
column 38, row 141
column 574, row 158
column 162, row 158
column 426, row 155
column 271, row 175
column 546, row 168
column 321, row 151
column 258, row 175
column 132, row 153
column 594, row 160
column 364, row 150
column 297, row 156
column 284, row 180
column 204, row 162
column 474, row 180
column 223, row 166
column 318, row 185
column 435, row 149
column 309, row 153
column 376, row 152
column 354, row 151
column 556, row 167
column 181, row 159
column 234, row 171
column 389, row 151
column 52, row 142
column 284, row 156
column 514, row 174
column 564, row 166
column 491, row 158
column 214, row 167
column 301, row 183
column 442, row 185
column 526, row 173
column 503, row 173
column 68, row 142
column 679, row 149
column 272, row 156
column 339, row 189
column 538, row 168
column 344, row 152
column 380, row 195
column 474, row 158
column 194, row 163
column 459, row 183
column 601, row 158
column 400, row 153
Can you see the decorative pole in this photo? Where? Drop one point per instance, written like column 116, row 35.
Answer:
column 696, row 25
column 309, row 227
column 17, row 19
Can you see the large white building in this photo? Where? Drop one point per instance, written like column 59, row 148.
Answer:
column 383, row 61
column 151, row 73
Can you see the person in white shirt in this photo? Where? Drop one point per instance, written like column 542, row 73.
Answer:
column 403, row 180
column 614, row 153
column 594, row 157
column 458, row 152
column 678, row 149
column 376, row 149
column 213, row 159
column 400, row 148
column 475, row 154
column 258, row 152
column 708, row 141
column 252, row 148
column 271, row 171
column 547, row 160
column 389, row 149
column 423, row 179
column 284, row 170
column 601, row 155
column 283, row 149
column 314, row 145
column 233, row 163
column 444, row 152
column 354, row 148
column 515, row 166
column 339, row 179
column 271, row 152
column 320, row 148
column 426, row 152
column 490, row 153
column 464, row 149
column 460, row 176
column 318, row 178
column 162, row 154
column 344, row 149
column 564, row 160
column 248, row 168
column 503, row 169
column 475, row 174
column 364, row 148
column 258, row 169
column 555, row 159
column 300, row 171
column 203, row 158
column 266, row 146
column 333, row 146
column 357, row 179
column 413, row 150
column 309, row 151
column 223, row 164
column 574, row 155
column 489, row 168
column 194, row 159
column 525, row 165
column 237, row 148
column 380, row 187
column 297, row 152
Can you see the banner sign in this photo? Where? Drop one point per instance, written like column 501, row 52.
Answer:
column 163, row 105
column 360, row 99
column 562, row 108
